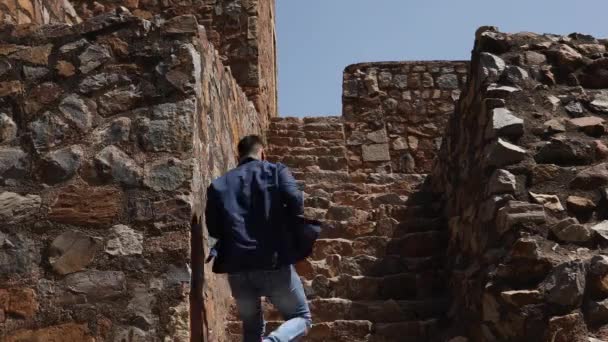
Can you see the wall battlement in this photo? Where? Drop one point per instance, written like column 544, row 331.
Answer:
column 397, row 111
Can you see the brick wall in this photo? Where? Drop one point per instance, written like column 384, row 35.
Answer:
column 523, row 172
column 242, row 30
column 37, row 12
column 106, row 148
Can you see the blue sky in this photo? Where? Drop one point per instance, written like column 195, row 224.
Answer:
column 317, row 39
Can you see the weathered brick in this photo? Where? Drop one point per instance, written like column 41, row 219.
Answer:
column 86, row 205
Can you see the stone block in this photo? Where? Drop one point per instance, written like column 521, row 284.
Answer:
column 591, row 125
column 376, row 152
column 96, row 285
column 505, row 123
column 591, row 178
column 569, row 230
column 64, row 332
column 565, row 286
column 325, row 247
column 491, row 65
column 551, row 202
column 503, row 153
column 124, row 241
column 165, row 175
column 515, row 213
column 72, row 251
column 15, row 208
column 61, row 165
column 22, row 302
column 502, row 181
column 114, row 164
column 568, row 328
column 14, row 163
column 519, row 298
column 83, row 205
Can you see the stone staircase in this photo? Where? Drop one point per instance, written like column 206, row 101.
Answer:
column 377, row 272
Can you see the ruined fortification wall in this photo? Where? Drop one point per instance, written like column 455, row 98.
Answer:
column 524, row 175
column 396, row 112
column 37, row 12
column 242, row 30
column 377, row 273
column 106, row 145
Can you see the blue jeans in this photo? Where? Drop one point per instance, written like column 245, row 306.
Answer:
column 283, row 288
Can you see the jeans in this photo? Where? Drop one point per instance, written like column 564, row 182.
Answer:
column 283, row 288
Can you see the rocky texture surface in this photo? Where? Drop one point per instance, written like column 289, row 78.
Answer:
column 109, row 132
column 111, row 129
column 38, row 12
column 377, row 272
column 522, row 170
column 396, row 113
column 242, row 30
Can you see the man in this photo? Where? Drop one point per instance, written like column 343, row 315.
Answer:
column 245, row 212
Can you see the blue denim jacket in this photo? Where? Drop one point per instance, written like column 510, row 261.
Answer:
column 245, row 210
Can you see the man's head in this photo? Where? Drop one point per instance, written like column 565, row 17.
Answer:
column 251, row 146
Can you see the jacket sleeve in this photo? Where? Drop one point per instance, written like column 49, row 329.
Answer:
column 212, row 214
column 291, row 195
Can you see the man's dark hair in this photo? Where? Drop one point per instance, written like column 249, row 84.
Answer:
column 249, row 145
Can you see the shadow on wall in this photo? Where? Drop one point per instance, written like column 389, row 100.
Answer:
column 198, row 319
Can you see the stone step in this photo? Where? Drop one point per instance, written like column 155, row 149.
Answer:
column 376, row 311
column 284, row 119
column 409, row 211
column 356, row 331
column 421, row 244
column 305, row 126
column 306, row 119
column 337, row 119
column 357, row 227
column 349, row 229
column 331, row 133
column 419, row 225
column 389, row 311
column 413, row 331
column 331, row 151
column 365, row 265
column 303, row 142
column 403, row 286
column 297, row 162
column 333, row 183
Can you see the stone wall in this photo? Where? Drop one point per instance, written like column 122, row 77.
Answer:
column 109, row 132
column 396, row 113
column 37, row 12
column 242, row 30
column 523, row 172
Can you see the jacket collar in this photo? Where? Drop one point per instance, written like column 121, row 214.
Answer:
column 246, row 160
